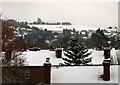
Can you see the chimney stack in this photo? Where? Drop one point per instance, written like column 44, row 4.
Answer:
column 58, row 53
column 106, row 69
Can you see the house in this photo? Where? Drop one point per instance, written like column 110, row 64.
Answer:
column 36, row 73
column 74, row 74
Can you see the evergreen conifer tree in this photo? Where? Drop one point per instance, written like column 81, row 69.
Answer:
column 77, row 54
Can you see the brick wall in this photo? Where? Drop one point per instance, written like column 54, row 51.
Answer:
column 26, row 74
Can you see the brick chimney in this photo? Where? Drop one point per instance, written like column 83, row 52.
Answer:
column 106, row 69
column 47, row 71
column 58, row 53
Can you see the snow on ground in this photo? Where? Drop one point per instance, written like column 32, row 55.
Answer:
column 82, row 74
column 37, row 58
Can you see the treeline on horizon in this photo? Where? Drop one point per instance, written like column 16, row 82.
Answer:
column 24, row 24
column 45, row 39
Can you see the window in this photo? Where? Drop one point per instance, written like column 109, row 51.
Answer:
column 27, row 74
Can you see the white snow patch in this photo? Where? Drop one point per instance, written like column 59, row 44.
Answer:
column 83, row 74
column 98, row 57
column 37, row 58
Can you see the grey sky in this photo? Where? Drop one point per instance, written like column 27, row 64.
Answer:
column 78, row 13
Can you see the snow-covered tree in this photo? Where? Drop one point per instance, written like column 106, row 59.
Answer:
column 77, row 54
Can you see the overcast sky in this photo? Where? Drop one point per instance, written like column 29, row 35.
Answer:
column 92, row 13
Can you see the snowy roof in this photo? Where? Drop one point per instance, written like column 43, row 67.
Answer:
column 82, row 74
column 37, row 58
column 74, row 74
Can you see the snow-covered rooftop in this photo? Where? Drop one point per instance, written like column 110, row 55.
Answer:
column 75, row 74
column 37, row 58
column 83, row 74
